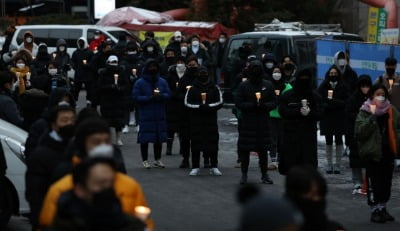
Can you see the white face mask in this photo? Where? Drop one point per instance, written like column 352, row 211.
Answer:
column 96, row 36
column 21, row 65
column 29, row 39
column 113, row 64
column 132, row 52
column 52, row 71
column 180, row 67
column 62, row 48
column 222, row 40
column 276, row 76
column 150, row 49
column 195, row 43
column 184, row 49
column 269, row 65
column 379, row 100
column 102, row 150
column 178, row 39
column 342, row 62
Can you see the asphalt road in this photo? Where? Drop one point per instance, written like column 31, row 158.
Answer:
column 180, row 202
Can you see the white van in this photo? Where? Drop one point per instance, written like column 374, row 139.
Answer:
column 49, row 34
column 12, row 172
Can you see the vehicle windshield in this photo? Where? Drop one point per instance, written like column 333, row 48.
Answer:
column 117, row 33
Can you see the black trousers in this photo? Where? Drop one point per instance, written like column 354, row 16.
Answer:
column 245, row 161
column 144, row 148
column 329, row 140
column 379, row 180
column 185, row 147
column 212, row 155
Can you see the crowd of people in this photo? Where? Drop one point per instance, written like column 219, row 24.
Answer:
column 73, row 163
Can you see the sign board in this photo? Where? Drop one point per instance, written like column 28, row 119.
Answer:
column 377, row 20
column 103, row 7
column 390, row 36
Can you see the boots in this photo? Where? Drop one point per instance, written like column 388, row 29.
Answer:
column 169, row 146
column 338, row 165
column 329, row 151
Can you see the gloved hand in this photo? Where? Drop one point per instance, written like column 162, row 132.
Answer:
column 305, row 111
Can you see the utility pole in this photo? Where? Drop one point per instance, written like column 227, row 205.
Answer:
column 3, row 8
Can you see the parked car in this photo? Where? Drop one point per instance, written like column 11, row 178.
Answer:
column 12, row 172
column 298, row 44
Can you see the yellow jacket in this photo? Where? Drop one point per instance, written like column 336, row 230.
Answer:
column 127, row 190
column 21, row 78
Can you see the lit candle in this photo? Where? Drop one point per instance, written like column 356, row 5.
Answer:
column 84, row 62
column 188, row 87
column 391, row 82
column 372, row 108
column 134, row 71
column 277, row 92
column 28, row 76
column 177, row 84
column 142, row 212
column 116, row 79
column 54, row 55
column 304, row 103
column 33, row 57
column 244, row 79
column 156, row 91
column 17, row 74
column 330, row 94
column 204, row 97
column 258, row 96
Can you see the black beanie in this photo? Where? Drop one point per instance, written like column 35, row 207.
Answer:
column 88, row 128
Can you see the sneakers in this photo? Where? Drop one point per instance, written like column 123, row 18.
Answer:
column 357, row 189
column 215, row 172
column 146, row 164
column 378, row 216
column 159, row 164
column 195, row 172
column 386, row 215
column 125, row 130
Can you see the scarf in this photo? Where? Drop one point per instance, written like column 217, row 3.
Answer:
column 380, row 109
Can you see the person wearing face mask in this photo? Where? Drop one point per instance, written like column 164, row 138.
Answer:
column 307, row 190
column 300, row 108
column 280, row 87
column 377, row 131
column 151, row 93
column 192, row 71
column 62, row 58
column 199, row 50
column 352, row 109
column 255, row 99
column 47, row 156
column 173, row 108
column 349, row 76
column 9, row 112
column 217, row 51
column 391, row 81
column 29, row 43
column 149, row 36
column 269, row 62
column 39, row 64
column 150, row 51
column 289, row 69
column 332, row 124
column 184, row 50
column 93, row 141
column 175, row 42
column 56, row 80
column 113, row 86
column 21, row 70
column 80, row 63
column 203, row 100
column 98, row 39
column 169, row 61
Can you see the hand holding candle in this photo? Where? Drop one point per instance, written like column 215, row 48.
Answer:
column 156, row 91
column 134, row 71
column 116, row 76
column 54, row 55
column 372, row 108
column 258, row 96
column 304, row 103
column 244, row 79
column 330, row 94
column 28, row 76
column 142, row 212
column 188, row 87
column 84, row 62
column 277, row 92
column 204, row 97
column 391, row 82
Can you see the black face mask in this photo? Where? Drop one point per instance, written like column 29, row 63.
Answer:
column 67, row 132
column 113, row 68
column 81, row 45
column 203, row 78
column 390, row 71
column 313, row 212
column 302, row 86
column 104, row 198
column 170, row 60
column 333, row 78
column 288, row 67
column 152, row 71
column 192, row 70
column 256, row 71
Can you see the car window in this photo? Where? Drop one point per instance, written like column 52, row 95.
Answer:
column 117, row 33
column 276, row 46
column 69, row 35
column 40, row 35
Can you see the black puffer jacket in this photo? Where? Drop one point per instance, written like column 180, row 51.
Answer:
column 203, row 118
column 113, row 101
column 333, row 119
column 42, row 60
column 174, row 108
column 82, row 70
column 255, row 131
column 300, row 132
column 184, row 118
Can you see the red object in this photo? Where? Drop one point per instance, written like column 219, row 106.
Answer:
column 364, row 186
column 206, row 30
column 94, row 45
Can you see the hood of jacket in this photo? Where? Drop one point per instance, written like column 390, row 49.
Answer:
column 146, row 75
column 61, row 42
column 84, row 41
column 336, row 60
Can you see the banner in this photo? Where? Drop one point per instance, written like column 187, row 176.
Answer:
column 161, row 37
column 390, row 36
column 377, row 20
